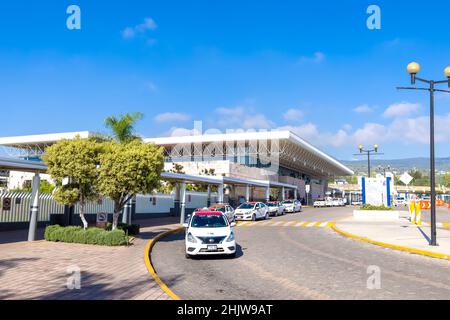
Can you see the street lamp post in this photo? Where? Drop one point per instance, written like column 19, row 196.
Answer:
column 413, row 69
column 384, row 169
column 368, row 152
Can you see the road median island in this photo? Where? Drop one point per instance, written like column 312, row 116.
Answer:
column 148, row 262
column 400, row 235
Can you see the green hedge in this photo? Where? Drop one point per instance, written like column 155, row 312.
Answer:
column 371, row 207
column 89, row 236
column 130, row 229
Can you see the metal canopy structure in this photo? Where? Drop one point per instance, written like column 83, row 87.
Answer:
column 284, row 147
column 33, row 146
column 287, row 148
column 28, row 166
column 13, row 164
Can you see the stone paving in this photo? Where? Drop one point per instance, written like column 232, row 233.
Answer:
column 41, row 269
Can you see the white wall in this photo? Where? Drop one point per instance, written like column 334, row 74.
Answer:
column 16, row 179
column 162, row 203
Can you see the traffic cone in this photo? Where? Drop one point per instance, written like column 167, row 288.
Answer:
column 418, row 215
column 412, row 209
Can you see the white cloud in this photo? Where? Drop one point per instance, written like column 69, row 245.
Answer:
column 317, row 58
column 311, row 133
column 370, row 133
column 171, row 117
column 364, row 108
column 241, row 117
column 148, row 25
column 293, row 115
column 402, row 109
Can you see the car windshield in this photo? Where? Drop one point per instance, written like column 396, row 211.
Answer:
column 272, row 204
column 247, row 206
column 206, row 221
column 221, row 209
column 288, row 202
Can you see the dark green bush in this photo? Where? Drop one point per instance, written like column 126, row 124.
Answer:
column 89, row 236
column 371, row 207
column 133, row 229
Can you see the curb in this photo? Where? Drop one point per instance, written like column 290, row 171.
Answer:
column 148, row 263
column 391, row 246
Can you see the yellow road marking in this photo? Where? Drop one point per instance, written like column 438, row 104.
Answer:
column 391, row 246
column 317, row 224
column 148, row 249
column 304, row 224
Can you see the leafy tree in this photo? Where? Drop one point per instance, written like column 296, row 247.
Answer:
column 128, row 169
column 44, row 187
column 168, row 186
column 446, row 180
column 76, row 162
column 123, row 127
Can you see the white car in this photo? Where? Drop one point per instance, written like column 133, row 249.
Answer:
column 275, row 208
column 209, row 233
column 338, row 202
column 251, row 211
column 400, row 201
column 226, row 209
column 329, row 202
column 292, row 206
column 319, row 203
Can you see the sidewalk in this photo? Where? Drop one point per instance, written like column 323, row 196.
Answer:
column 40, row 269
column 401, row 235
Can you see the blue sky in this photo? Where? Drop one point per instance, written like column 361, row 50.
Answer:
column 311, row 67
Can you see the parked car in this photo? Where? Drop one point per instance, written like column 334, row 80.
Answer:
column 251, row 211
column 275, row 208
column 319, row 203
column 338, row 202
column 329, row 202
column 400, row 201
column 292, row 206
column 209, row 233
column 225, row 209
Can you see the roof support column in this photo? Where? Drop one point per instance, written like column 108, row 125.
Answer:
column 182, row 202
column 34, row 207
column 208, row 200
column 247, row 193
column 176, row 200
column 220, row 188
column 295, row 194
column 126, row 214
column 283, row 194
column 267, row 194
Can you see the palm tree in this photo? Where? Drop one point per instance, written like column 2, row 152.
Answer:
column 123, row 127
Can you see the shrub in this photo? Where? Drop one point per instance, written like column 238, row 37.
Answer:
column 77, row 234
column 133, row 229
column 372, row 207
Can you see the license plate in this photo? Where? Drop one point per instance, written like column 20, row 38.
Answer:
column 212, row 248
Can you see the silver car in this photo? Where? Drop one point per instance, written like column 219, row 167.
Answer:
column 275, row 208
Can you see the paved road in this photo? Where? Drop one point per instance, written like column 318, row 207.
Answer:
column 281, row 262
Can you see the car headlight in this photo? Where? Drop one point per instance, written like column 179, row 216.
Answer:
column 230, row 237
column 191, row 238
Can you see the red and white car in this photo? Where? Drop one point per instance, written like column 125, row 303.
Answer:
column 209, row 233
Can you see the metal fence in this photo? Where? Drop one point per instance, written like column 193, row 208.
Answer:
column 15, row 207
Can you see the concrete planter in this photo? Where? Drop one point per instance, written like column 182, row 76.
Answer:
column 376, row 215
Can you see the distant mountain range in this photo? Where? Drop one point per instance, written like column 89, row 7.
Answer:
column 399, row 165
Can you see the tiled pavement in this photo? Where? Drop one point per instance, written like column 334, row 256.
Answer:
column 39, row 270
